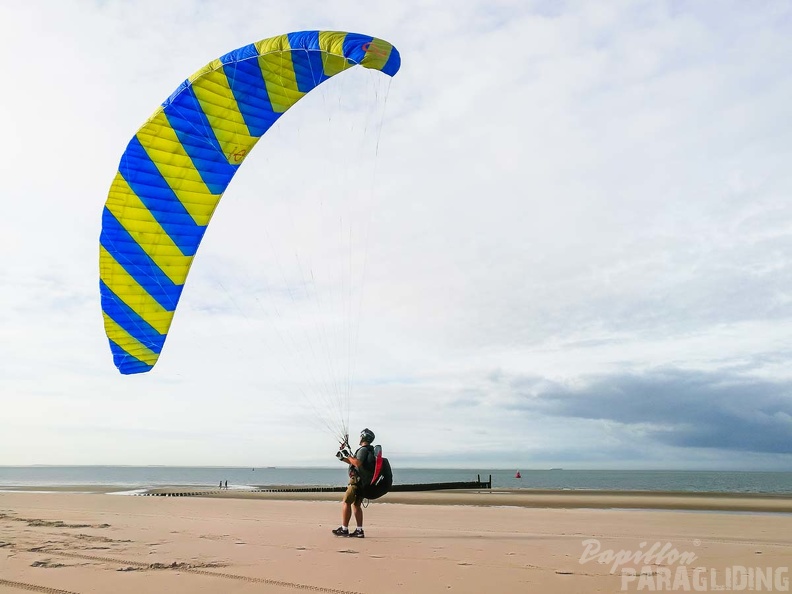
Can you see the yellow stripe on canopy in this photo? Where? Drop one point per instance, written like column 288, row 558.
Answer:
column 166, row 152
column 220, row 107
column 138, row 221
column 120, row 282
column 278, row 71
column 332, row 45
column 128, row 343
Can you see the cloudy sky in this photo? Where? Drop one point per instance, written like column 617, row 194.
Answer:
column 567, row 225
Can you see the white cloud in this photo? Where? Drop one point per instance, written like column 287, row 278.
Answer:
column 561, row 191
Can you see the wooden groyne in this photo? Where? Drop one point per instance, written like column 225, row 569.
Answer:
column 477, row 484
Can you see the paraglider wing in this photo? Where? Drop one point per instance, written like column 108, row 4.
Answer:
column 177, row 166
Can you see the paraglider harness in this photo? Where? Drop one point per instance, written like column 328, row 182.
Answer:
column 382, row 478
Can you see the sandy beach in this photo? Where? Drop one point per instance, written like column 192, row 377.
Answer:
column 79, row 543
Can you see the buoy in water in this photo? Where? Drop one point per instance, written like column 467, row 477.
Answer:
column 518, row 475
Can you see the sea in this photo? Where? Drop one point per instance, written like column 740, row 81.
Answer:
column 143, row 477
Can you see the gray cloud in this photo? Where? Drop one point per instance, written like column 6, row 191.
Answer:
column 689, row 409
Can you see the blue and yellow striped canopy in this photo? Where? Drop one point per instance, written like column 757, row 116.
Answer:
column 177, row 166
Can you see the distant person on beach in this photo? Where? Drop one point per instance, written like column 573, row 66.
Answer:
column 361, row 470
column 221, row 484
column 226, row 485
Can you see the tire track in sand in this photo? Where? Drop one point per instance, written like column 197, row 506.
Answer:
column 196, row 570
column 33, row 587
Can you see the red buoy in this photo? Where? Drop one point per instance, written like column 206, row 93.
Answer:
column 518, row 475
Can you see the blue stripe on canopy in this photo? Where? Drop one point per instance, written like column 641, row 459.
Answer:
column 155, row 193
column 130, row 321
column 250, row 92
column 307, row 60
column 126, row 363
column 137, row 263
column 192, row 129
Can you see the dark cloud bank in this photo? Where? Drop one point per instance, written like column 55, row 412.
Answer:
column 677, row 407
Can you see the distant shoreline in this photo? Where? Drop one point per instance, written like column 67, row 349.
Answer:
column 513, row 468
column 528, row 498
column 113, row 478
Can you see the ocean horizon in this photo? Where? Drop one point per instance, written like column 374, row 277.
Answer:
column 140, row 477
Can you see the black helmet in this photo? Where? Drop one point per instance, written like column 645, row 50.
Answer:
column 367, row 435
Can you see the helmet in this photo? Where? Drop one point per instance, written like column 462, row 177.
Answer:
column 367, row 435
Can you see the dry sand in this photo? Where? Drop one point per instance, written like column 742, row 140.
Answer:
column 428, row 543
